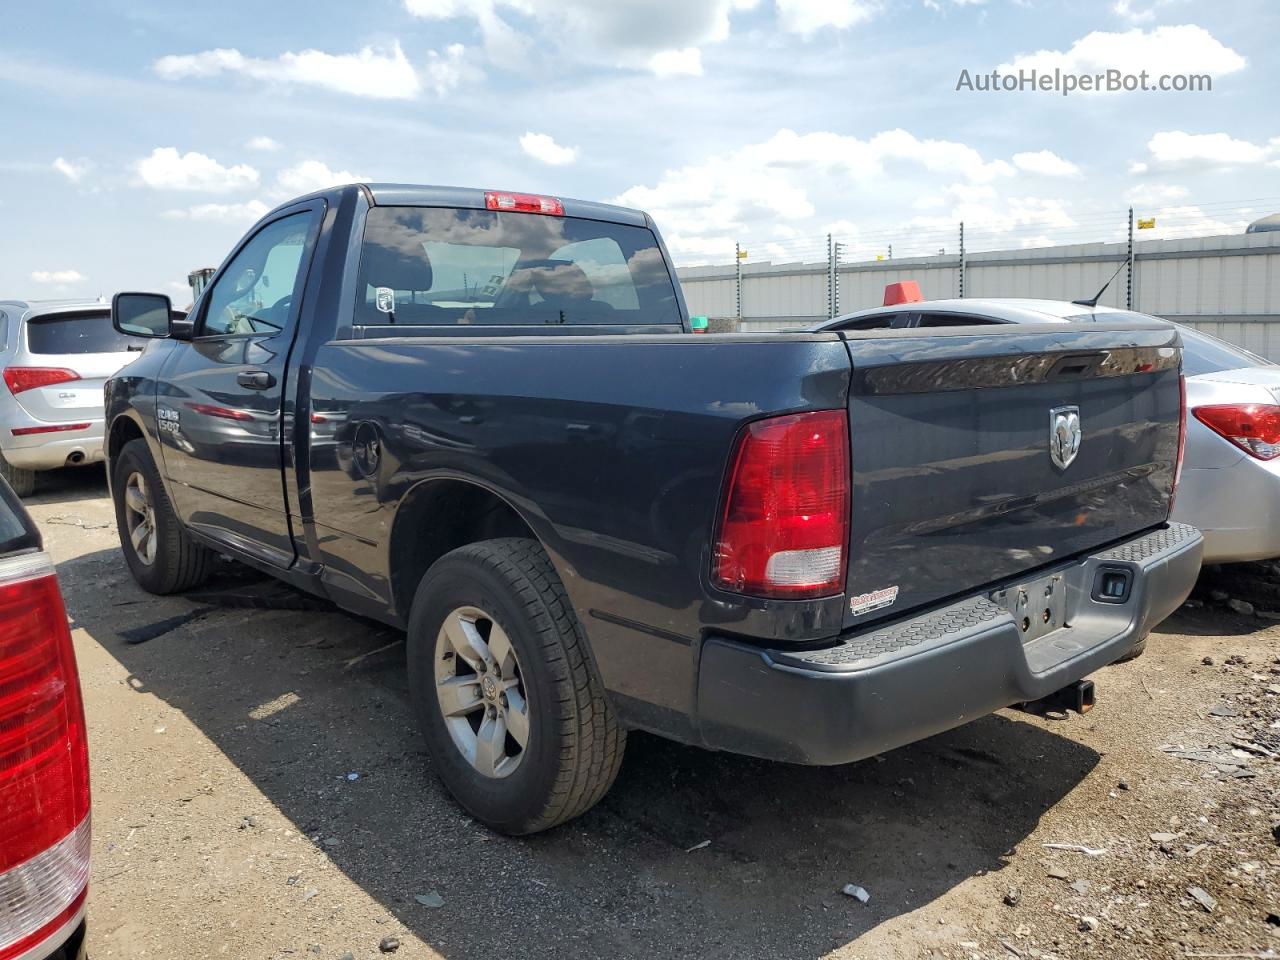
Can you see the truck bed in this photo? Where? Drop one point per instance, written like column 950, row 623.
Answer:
column 614, row 448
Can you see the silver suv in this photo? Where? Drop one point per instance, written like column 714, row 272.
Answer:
column 55, row 356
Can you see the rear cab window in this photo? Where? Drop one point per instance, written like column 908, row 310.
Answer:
column 71, row 333
column 442, row 266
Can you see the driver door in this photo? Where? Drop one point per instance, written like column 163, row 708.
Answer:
column 221, row 403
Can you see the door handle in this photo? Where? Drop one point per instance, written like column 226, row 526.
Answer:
column 256, row 380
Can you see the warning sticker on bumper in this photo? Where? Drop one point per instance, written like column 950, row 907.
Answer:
column 876, row 600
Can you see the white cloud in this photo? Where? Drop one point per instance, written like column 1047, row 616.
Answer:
column 994, row 222
column 806, row 17
column 312, row 175
column 166, row 169
column 1177, row 150
column 661, row 35
column 542, row 147
column 246, row 212
column 1045, row 163
column 671, row 63
column 1192, row 221
column 446, row 70
column 1186, row 49
column 1154, row 194
column 1135, row 12
column 59, row 277
column 265, row 144
column 73, row 170
column 384, row 74
column 782, row 182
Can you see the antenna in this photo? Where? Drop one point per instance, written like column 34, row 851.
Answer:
column 1097, row 296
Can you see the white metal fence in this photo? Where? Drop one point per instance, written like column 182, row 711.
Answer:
column 1227, row 285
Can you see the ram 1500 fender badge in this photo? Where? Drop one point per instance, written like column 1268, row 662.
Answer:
column 875, row 600
column 1064, row 435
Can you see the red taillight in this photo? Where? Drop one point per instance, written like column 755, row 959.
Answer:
column 524, row 203
column 19, row 379
column 44, row 760
column 1253, row 427
column 48, row 428
column 785, row 523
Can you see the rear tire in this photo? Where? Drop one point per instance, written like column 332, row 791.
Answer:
column 161, row 555
column 507, row 592
column 22, row 481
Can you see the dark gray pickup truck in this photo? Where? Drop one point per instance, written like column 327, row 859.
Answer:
column 479, row 416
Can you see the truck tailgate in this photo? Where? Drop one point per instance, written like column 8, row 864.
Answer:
column 955, row 486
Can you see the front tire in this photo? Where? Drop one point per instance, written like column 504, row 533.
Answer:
column 161, row 555
column 22, row 481
column 514, row 716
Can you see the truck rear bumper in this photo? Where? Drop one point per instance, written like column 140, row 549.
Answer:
column 888, row 686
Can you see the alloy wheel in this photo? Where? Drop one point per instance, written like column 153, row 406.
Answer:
column 140, row 518
column 481, row 692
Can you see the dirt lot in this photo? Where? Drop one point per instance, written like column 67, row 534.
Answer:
column 260, row 791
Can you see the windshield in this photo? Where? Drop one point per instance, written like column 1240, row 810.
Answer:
column 444, row 266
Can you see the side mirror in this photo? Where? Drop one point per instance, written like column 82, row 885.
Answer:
column 142, row 314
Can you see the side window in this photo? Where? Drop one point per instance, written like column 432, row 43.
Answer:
column 878, row 321
column 952, row 320
column 255, row 292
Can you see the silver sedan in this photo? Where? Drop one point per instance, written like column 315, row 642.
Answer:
column 55, row 356
column 1230, row 486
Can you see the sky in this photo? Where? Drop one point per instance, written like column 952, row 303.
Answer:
column 142, row 138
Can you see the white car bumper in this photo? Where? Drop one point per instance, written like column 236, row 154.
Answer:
column 49, row 451
column 1236, row 507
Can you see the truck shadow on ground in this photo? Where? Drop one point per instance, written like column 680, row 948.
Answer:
column 298, row 700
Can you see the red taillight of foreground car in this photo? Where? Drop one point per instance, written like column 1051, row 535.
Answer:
column 784, row 527
column 18, row 379
column 44, row 761
column 1253, row 427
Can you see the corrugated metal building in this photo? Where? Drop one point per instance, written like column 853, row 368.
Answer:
column 1228, row 285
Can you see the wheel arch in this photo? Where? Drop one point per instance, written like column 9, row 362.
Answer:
column 123, row 429
column 438, row 515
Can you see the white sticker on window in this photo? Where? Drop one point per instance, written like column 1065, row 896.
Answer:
column 875, row 600
column 384, row 298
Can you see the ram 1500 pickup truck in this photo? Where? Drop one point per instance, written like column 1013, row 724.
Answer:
column 478, row 416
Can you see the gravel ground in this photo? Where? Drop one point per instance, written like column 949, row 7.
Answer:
column 260, row 791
